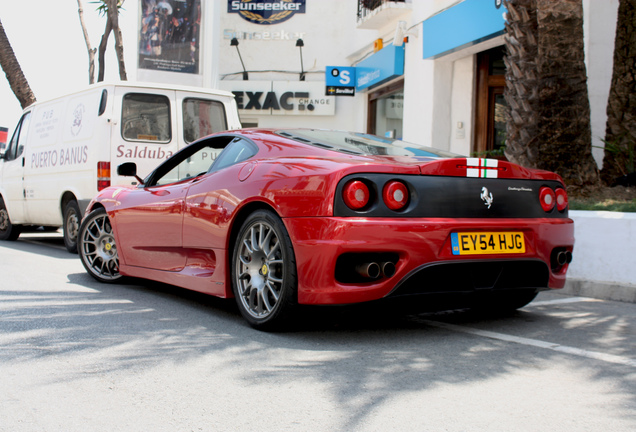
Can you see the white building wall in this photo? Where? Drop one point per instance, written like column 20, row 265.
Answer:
column 330, row 35
column 438, row 94
column 433, row 110
column 600, row 31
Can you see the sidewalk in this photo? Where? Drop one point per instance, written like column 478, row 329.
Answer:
column 603, row 264
column 600, row 290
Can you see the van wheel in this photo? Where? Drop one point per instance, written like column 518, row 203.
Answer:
column 8, row 231
column 72, row 219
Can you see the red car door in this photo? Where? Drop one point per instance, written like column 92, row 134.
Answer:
column 149, row 227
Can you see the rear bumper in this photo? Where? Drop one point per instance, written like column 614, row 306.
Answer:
column 425, row 262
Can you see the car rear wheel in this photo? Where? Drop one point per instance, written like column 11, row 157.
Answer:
column 97, row 247
column 264, row 277
column 72, row 219
column 8, row 231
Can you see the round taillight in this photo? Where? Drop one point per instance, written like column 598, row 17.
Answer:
column 547, row 198
column 395, row 195
column 561, row 199
column 356, row 194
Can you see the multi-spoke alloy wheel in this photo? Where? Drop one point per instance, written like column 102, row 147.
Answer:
column 264, row 271
column 97, row 247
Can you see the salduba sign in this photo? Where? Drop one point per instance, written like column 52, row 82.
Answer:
column 266, row 11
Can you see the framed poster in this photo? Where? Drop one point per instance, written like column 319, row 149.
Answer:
column 169, row 35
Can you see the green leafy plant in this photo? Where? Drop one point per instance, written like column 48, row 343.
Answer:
column 621, row 153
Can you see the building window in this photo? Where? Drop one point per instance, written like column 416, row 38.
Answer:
column 386, row 111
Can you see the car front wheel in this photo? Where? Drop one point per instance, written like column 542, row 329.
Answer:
column 264, row 277
column 97, row 247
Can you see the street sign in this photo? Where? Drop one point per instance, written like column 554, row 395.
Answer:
column 340, row 81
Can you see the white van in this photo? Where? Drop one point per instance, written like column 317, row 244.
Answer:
column 65, row 150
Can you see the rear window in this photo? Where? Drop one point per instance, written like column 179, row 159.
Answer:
column 146, row 117
column 202, row 117
column 362, row 144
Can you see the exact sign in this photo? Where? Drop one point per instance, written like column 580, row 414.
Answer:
column 280, row 98
column 340, row 81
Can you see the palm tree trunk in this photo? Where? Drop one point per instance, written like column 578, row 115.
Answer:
column 89, row 48
column 620, row 134
column 101, row 60
column 521, row 92
column 113, row 17
column 565, row 136
column 13, row 71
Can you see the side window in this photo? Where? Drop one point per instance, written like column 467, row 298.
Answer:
column 16, row 146
column 146, row 117
column 237, row 151
column 202, row 117
column 190, row 162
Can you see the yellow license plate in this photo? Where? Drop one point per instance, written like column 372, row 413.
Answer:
column 478, row 243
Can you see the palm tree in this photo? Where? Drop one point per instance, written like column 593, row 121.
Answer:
column 521, row 92
column 89, row 48
column 111, row 8
column 620, row 134
column 557, row 118
column 12, row 69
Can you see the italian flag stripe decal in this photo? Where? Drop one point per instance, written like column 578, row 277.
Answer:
column 481, row 168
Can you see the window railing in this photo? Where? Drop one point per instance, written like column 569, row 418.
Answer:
column 365, row 7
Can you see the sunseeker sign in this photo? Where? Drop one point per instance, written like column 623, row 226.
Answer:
column 266, row 11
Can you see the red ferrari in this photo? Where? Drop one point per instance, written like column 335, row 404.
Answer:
column 278, row 218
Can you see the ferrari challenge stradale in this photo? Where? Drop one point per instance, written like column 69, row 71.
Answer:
column 281, row 218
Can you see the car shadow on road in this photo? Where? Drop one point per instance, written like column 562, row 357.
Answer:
column 364, row 354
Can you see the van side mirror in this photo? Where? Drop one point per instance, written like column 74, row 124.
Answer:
column 129, row 169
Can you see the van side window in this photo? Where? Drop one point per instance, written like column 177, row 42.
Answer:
column 146, row 117
column 202, row 117
column 16, row 146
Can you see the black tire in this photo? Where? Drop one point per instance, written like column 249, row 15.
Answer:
column 97, row 247
column 264, row 278
column 71, row 225
column 8, row 231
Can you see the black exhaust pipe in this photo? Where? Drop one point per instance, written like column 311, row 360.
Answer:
column 388, row 269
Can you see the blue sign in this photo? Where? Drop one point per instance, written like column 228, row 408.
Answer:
column 340, row 81
column 386, row 64
column 467, row 23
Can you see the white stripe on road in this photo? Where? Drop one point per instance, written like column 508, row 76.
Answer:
column 561, row 301
column 609, row 358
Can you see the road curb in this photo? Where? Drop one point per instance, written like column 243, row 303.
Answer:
column 600, row 290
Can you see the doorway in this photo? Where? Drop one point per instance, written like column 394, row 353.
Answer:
column 490, row 105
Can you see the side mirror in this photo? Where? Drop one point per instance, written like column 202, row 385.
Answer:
column 129, row 169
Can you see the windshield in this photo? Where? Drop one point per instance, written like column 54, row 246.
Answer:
column 362, row 144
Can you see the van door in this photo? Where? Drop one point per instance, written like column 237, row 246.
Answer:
column 144, row 129
column 12, row 168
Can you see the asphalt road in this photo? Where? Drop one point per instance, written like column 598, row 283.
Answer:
column 76, row 355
